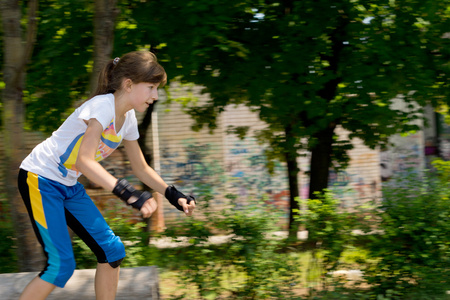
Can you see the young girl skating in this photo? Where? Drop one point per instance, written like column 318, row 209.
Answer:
column 55, row 199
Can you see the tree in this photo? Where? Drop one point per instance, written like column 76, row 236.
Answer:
column 105, row 15
column 308, row 67
column 17, row 53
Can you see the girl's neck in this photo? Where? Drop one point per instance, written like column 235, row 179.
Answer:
column 121, row 104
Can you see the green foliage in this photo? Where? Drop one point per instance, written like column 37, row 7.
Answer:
column 413, row 248
column 443, row 170
column 406, row 241
column 330, row 234
column 250, row 266
column 329, row 228
column 59, row 73
column 307, row 64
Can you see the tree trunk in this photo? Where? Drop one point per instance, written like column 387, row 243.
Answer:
column 321, row 161
column 16, row 57
column 293, row 169
column 293, row 194
column 321, row 152
column 105, row 15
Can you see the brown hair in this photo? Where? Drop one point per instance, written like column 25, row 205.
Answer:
column 139, row 66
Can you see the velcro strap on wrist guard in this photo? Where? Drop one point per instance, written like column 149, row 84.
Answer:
column 172, row 194
column 124, row 190
column 142, row 198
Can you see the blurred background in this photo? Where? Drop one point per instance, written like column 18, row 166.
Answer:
column 315, row 135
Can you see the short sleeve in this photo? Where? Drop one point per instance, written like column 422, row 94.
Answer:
column 132, row 132
column 100, row 108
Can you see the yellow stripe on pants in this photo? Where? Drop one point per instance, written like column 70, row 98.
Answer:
column 36, row 199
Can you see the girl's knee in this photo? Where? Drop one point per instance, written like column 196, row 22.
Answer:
column 67, row 270
column 116, row 252
column 119, row 248
column 59, row 275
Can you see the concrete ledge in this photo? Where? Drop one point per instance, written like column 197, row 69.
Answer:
column 134, row 283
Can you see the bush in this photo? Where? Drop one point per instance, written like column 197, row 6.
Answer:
column 442, row 168
column 329, row 235
column 413, row 249
column 329, row 228
column 248, row 267
column 407, row 242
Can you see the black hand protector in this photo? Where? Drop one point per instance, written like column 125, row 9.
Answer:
column 124, row 190
column 172, row 194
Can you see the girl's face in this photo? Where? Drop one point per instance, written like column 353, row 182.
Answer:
column 143, row 94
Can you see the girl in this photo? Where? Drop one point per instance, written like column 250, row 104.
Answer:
column 48, row 175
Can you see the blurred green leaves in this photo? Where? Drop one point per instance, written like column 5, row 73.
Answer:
column 59, row 72
column 277, row 57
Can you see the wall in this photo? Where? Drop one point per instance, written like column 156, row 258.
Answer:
column 239, row 166
column 407, row 151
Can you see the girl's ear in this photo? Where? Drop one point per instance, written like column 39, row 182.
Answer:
column 126, row 84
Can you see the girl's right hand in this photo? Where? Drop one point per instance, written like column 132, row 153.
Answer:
column 148, row 208
column 187, row 208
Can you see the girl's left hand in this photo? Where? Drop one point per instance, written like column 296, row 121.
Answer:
column 148, row 208
column 187, row 208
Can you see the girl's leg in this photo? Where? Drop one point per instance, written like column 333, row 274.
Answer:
column 37, row 289
column 84, row 218
column 44, row 201
column 106, row 281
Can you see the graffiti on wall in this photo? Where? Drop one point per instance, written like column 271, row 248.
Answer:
column 405, row 156
column 191, row 164
column 248, row 175
column 352, row 188
column 242, row 170
column 358, row 183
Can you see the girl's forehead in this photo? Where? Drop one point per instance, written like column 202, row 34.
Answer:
column 152, row 83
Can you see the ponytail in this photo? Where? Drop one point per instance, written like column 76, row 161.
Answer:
column 139, row 66
column 104, row 79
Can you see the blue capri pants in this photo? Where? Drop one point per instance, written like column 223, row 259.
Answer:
column 52, row 207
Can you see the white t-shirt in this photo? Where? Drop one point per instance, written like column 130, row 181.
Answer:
column 55, row 157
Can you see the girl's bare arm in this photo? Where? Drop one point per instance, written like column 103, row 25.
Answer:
column 141, row 169
column 148, row 176
column 86, row 162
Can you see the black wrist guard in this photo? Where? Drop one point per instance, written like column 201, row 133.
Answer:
column 172, row 194
column 124, row 190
